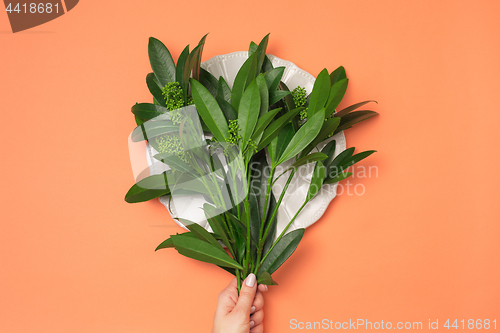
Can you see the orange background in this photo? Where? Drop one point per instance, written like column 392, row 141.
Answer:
column 421, row 243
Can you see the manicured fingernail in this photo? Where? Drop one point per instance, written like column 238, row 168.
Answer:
column 252, row 323
column 265, row 287
column 252, row 309
column 250, row 281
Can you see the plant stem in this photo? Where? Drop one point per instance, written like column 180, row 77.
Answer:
column 284, row 231
column 234, row 190
column 247, row 211
column 230, row 232
column 281, row 174
column 268, row 192
column 268, row 227
column 238, row 280
column 221, row 197
column 279, row 201
column 264, row 215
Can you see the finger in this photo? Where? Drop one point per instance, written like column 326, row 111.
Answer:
column 247, row 294
column 229, row 290
column 258, row 328
column 233, row 284
column 263, row 288
column 257, row 317
column 228, row 298
column 258, row 302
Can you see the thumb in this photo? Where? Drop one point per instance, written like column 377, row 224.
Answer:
column 247, row 294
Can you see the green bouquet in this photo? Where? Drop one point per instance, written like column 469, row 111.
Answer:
column 227, row 147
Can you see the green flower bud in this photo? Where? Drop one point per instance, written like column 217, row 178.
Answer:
column 172, row 93
column 234, row 136
column 299, row 96
column 171, row 143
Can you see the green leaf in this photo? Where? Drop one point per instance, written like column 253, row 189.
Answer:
column 276, row 126
column 262, row 124
column 197, row 59
column 151, row 129
column 337, row 75
column 304, row 136
column 240, row 243
column 273, row 78
column 191, row 63
column 347, row 162
column 261, row 53
column 217, row 166
column 339, row 164
column 147, row 111
column 245, row 75
column 248, row 112
column 355, row 117
column 139, row 121
column 148, row 188
column 252, row 48
column 200, row 250
column 319, row 94
column 327, row 129
column 271, row 149
column 353, row 107
column 237, row 224
column 223, row 90
column 165, row 244
column 182, row 63
column 267, row 66
column 229, row 270
column 258, row 181
column 284, row 139
column 289, row 103
column 337, row 161
column 208, row 81
column 268, row 242
column 188, row 183
column 255, row 214
column 337, row 92
column 168, row 243
column 154, row 89
column 210, row 112
column 161, row 62
column 202, row 233
column 265, row 278
column 282, row 251
column 314, row 157
column 277, row 95
column 217, row 224
column 264, row 94
column 227, row 109
column 338, row 178
column 317, row 180
column 329, row 150
column 174, row 162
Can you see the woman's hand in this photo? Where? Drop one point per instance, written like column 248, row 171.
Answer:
column 243, row 313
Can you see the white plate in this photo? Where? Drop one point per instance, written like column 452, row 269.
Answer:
column 227, row 66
